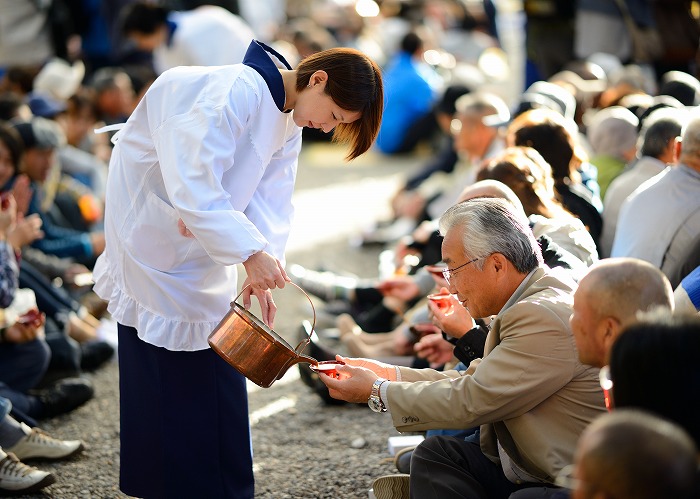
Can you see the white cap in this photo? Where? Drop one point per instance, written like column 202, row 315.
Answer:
column 60, row 79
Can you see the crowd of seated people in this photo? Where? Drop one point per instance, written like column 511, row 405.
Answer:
column 621, row 181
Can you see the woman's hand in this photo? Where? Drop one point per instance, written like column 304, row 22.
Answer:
column 265, row 271
column 268, row 309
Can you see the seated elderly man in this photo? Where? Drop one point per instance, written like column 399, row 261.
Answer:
column 530, row 394
column 610, row 298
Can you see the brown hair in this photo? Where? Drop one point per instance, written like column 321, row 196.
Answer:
column 525, row 171
column 354, row 84
column 554, row 137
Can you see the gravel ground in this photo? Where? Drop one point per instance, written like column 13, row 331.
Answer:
column 303, row 448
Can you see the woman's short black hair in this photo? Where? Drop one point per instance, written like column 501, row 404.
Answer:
column 142, row 18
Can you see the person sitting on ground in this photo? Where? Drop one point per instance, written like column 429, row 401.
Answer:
column 41, row 138
column 660, row 221
column 575, row 179
column 530, row 394
column 633, row 454
column 611, row 297
column 670, row 389
column 612, row 134
column 656, row 149
column 474, row 141
column 208, row 35
column 19, row 443
column 687, row 294
column 525, row 171
column 451, row 320
column 411, row 89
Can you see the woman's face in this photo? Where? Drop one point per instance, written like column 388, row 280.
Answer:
column 315, row 109
column 7, row 169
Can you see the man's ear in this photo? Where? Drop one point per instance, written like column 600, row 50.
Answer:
column 498, row 262
column 612, row 327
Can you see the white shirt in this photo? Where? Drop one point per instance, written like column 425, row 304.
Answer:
column 205, row 36
column 210, row 146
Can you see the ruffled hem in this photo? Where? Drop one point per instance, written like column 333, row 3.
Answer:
column 152, row 328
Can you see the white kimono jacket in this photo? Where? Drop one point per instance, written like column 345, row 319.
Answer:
column 213, row 147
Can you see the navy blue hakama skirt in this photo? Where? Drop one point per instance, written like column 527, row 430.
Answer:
column 184, row 423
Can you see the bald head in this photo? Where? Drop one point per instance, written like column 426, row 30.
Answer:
column 610, row 297
column 491, row 189
column 624, row 287
column 629, row 453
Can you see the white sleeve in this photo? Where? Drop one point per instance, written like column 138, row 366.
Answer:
column 194, row 150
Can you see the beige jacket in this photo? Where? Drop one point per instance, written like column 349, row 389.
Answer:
column 530, row 390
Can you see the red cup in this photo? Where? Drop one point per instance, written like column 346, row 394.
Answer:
column 328, row 367
column 30, row 318
column 442, row 301
column 5, row 200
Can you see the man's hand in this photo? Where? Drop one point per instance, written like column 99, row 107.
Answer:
column 453, row 321
column 435, row 349
column 355, row 383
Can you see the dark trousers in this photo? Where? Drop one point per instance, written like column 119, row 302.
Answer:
column 22, row 365
column 449, row 467
column 184, row 423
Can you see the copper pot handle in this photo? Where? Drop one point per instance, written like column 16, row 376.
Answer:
column 313, row 309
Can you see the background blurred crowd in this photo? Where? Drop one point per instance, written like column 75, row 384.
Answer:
column 561, row 106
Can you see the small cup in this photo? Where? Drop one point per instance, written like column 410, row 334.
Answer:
column 31, row 317
column 5, row 200
column 328, row 367
column 443, row 302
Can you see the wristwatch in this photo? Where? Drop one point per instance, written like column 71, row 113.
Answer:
column 375, row 402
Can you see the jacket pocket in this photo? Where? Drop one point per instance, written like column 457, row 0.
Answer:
column 155, row 240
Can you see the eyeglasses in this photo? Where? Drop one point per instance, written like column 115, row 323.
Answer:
column 447, row 273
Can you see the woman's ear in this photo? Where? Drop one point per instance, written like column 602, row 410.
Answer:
column 319, row 77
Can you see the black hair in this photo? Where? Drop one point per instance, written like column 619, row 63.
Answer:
column 142, row 18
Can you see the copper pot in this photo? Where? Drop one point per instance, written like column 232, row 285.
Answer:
column 255, row 350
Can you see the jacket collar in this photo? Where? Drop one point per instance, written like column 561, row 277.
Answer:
column 259, row 57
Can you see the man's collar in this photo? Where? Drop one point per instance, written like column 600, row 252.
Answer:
column 518, row 291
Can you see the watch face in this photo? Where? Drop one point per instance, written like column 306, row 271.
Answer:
column 374, row 404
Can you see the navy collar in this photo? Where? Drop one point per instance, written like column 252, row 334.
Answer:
column 258, row 58
column 172, row 26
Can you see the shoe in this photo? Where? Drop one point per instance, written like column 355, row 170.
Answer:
column 324, row 285
column 37, row 444
column 64, row 396
column 391, row 487
column 402, row 460
column 94, row 354
column 18, row 478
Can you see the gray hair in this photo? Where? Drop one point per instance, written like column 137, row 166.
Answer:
column 613, row 131
column 494, row 226
column 691, row 136
column 659, row 128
